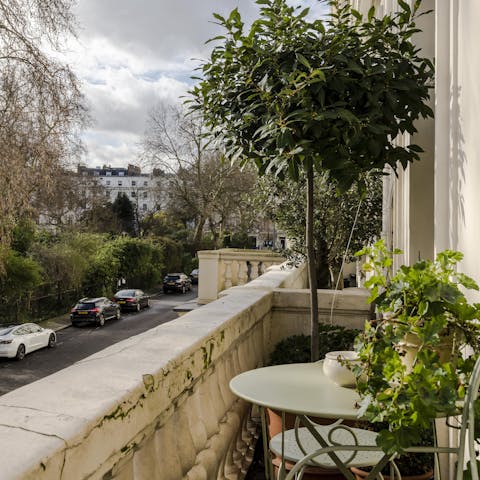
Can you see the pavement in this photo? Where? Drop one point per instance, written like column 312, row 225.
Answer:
column 56, row 323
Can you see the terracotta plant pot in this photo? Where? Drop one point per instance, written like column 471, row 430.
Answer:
column 361, row 474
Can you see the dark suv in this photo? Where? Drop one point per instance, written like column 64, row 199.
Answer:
column 94, row 310
column 176, row 282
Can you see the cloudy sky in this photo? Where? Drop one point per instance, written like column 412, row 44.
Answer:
column 132, row 54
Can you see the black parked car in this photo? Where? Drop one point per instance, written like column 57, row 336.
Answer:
column 94, row 310
column 176, row 282
column 132, row 299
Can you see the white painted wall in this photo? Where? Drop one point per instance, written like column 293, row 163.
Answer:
column 457, row 168
column 465, row 36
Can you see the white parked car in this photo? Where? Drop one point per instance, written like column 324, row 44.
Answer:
column 18, row 340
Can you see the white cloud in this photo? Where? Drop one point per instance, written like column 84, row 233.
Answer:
column 131, row 55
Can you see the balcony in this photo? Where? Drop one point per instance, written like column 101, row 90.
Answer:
column 158, row 405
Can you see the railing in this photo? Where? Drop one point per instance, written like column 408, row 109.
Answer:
column 230, row 267
column 158, row 405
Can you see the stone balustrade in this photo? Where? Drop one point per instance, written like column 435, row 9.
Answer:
column 229, row 267
column 158, row 405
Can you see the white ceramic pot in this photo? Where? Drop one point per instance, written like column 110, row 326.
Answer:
column 336, row 367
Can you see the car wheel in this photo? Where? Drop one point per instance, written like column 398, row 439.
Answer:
column 165, row 290
column 51, row 341
column 20, row 352
column 117, row 314
column 147, row 305
column 138, row 307
column 101, row 320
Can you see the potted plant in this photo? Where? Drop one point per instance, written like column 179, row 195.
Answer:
column 420, row 310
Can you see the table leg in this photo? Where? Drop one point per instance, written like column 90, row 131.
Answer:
column 266, row 447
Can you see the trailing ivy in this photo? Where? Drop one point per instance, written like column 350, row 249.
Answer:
column 424, row 302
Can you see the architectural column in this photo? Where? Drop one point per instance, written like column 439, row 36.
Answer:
column 446, row 125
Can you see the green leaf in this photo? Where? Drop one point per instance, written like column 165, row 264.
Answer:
column 371, row 13
column 303, row 60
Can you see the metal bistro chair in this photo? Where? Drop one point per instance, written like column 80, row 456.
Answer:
column 310, row 446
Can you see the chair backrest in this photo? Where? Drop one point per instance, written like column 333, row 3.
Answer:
column 467, row 431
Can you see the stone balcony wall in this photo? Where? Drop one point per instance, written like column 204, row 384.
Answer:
column 158, row 405
column 155, row 406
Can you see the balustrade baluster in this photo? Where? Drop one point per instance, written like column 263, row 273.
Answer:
column 242, row 273
column 254, row 272
column 228, row 274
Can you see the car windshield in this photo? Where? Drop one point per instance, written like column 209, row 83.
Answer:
column 125, row 293
column 172, row 277
column 84, row 306
column 6, row 331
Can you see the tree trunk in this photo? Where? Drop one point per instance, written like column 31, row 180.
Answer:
column 197, row 239
column 321, row 264
column 312, row 272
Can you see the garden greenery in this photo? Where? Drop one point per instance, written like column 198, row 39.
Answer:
column 425, row 303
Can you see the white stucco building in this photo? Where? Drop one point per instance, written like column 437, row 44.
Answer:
column 143, row 189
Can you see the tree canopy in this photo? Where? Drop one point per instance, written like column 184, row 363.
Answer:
column 336, row 93
column 40, row 101
column 334, row 216
column 201, row 190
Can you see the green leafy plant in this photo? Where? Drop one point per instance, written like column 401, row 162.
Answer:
column 296, row 349
column 300, row 96
column 421, row 304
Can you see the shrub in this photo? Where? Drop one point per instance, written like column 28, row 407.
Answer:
column 296, row 349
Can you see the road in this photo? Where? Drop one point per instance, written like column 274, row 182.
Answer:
column 75, row 343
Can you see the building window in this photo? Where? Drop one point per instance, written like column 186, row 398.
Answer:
column 145, row 183
column 145, row 194
column 144, row 206
column 108, row 182
column 120, row 174
column 107, row 194
column 108, row 174
column 133, row 183
column 133, row 194
column 119, row 183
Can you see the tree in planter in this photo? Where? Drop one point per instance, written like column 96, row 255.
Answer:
column 334, row 215
column 298, row 96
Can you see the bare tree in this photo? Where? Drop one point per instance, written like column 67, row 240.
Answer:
column 40, row 104
column 72, row 195
column 203, row 190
